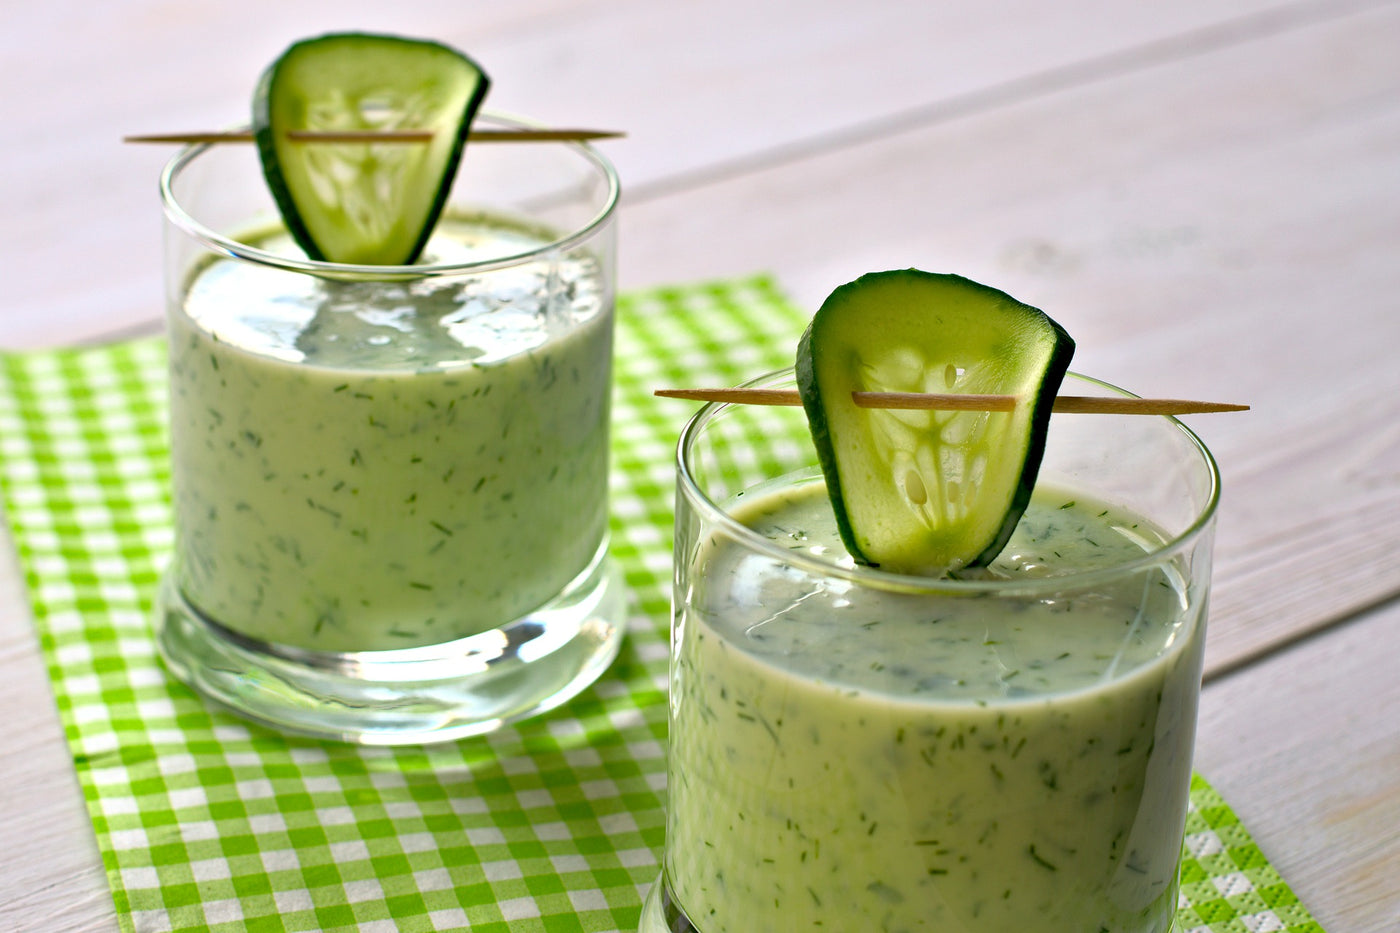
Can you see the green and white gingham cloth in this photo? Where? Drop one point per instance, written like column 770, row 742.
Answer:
column 208, row 823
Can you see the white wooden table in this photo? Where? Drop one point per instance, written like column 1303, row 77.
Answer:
column 1206, row 193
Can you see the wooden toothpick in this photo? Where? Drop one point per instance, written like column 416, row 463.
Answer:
column 381, row 136
column 1078, row 404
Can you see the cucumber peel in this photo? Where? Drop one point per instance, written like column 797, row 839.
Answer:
column 927, row 492
column 364, row 203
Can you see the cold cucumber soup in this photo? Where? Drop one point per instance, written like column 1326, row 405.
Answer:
column 847, row 758
column 365, row 465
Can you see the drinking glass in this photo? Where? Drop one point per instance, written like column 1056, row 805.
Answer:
column 390, row 482
column 1001, row 750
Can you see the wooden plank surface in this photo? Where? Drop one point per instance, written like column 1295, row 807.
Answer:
column 1207, row 194
column 51, row 877
column 1323, row 806
column 703, row 90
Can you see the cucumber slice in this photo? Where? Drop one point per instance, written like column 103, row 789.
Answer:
column 928, row 491
column 364, row 203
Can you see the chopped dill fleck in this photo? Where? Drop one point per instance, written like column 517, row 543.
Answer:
column 1035, row 856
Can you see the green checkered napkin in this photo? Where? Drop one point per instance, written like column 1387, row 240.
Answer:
column 208, row 823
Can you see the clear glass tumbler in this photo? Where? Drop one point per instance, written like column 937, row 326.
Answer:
column 390, row 482
column 1010, row 750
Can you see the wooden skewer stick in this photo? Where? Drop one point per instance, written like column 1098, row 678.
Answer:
column 1080, row 404
column 381, row 136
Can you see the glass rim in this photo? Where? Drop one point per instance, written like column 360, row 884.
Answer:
column 216, row 241
column 714, row 513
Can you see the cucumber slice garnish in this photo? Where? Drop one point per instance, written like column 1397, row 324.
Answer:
column 928, row 491
column 364, row 203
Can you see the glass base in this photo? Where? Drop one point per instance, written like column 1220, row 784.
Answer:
column 661, row 913
column 407, row 696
